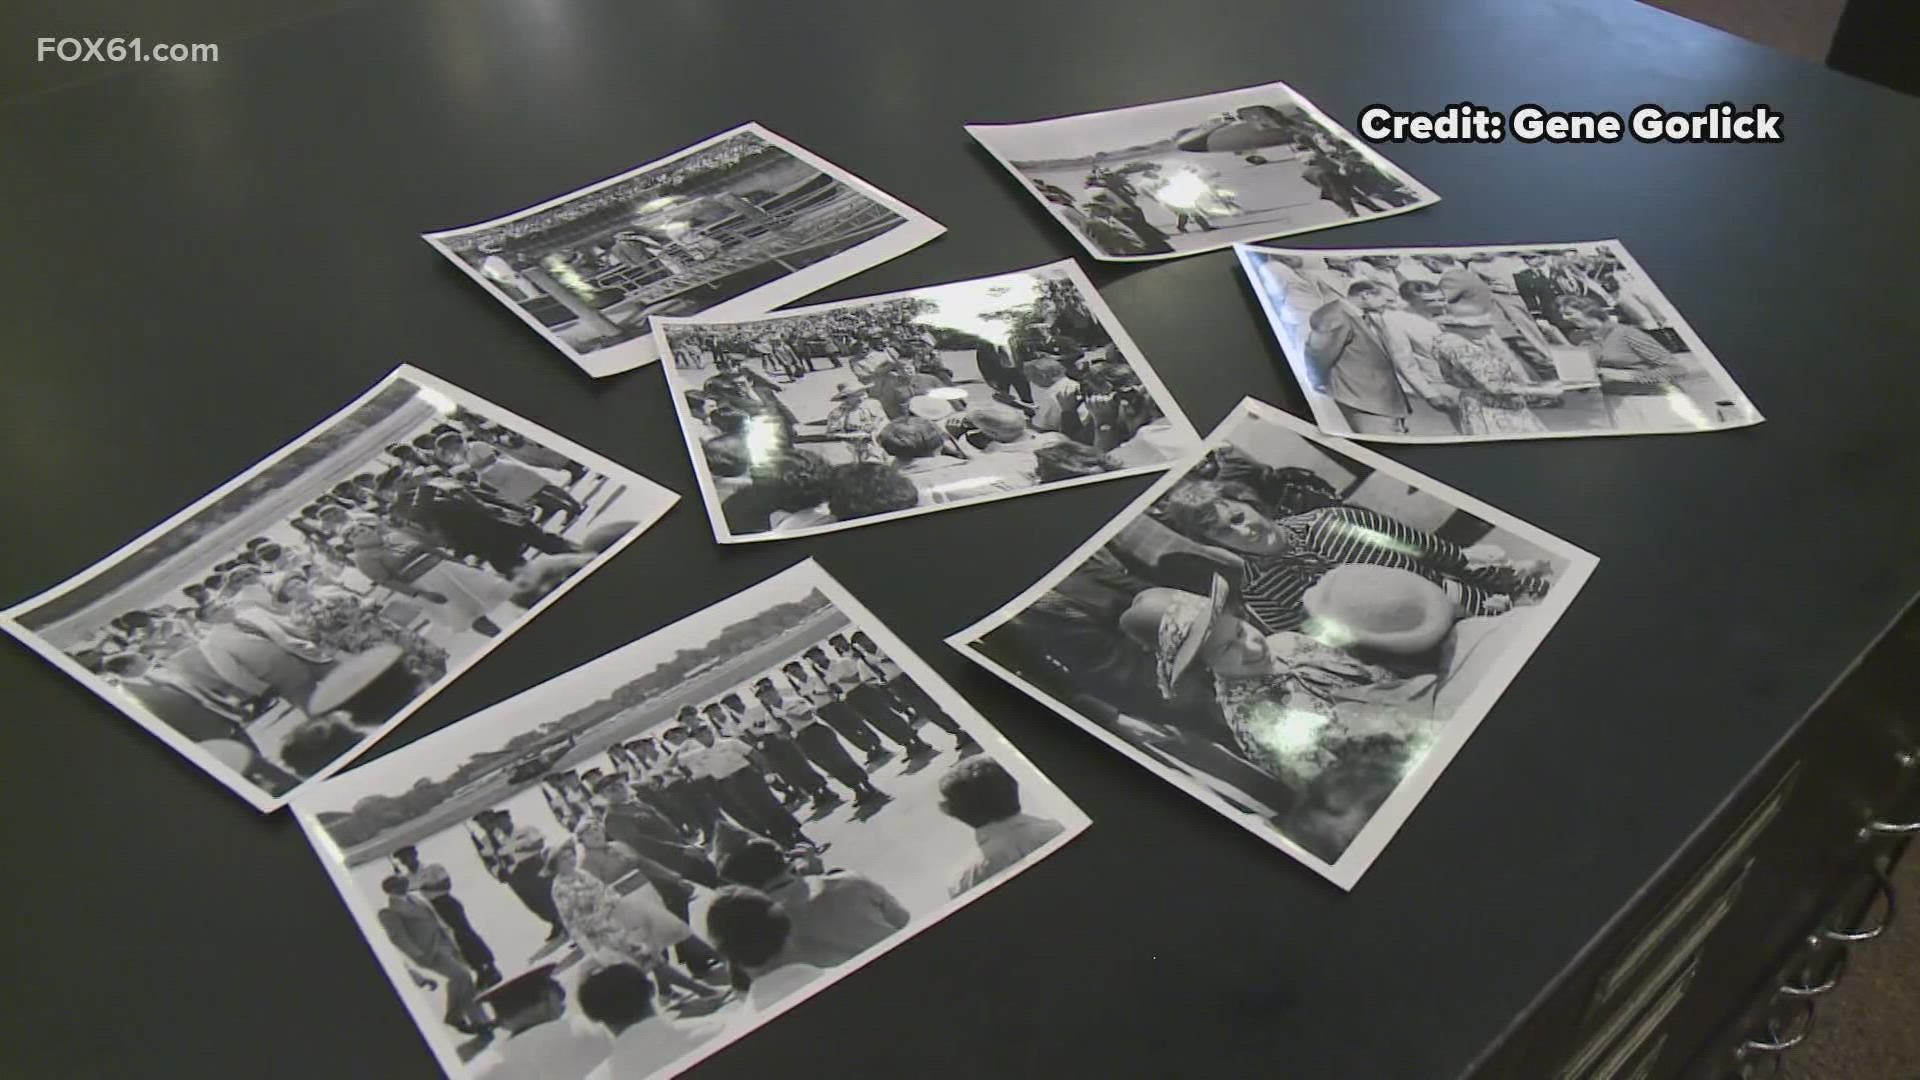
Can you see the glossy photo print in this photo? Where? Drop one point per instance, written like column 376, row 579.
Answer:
column 1463, row 344
column 737, row 224
column 1199, row 174
column 621, row 871
column 273, row 630
column 1293, row 630
column 841, row 415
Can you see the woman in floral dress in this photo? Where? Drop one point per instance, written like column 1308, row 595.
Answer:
column 612, row 929
column 1496, row 392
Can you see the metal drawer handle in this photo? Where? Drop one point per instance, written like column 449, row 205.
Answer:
column 1889, row 828
column 1776, row 1041
column 1883, row 886
column 1835, row 970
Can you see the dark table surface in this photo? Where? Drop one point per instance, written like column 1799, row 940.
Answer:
column 202, row 261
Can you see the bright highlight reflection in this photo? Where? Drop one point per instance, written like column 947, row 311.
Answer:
column 1289, row 732
column 763, row 438
column 1183, row 189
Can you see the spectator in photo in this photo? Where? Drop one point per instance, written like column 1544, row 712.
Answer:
column 531, row 1010
column 785, row 483
column 1070, row 461
column 620, row 998
column 752, row 930
column 916, row 445
column 979, row 793
column 1008, row 439
column 834, row 916
column 866, row 488
column 1049, row 379
column 728, row 463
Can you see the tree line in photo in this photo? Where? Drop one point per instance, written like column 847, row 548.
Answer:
column 380, row 815
column 1480, row 337
column 1296, row 651
column 902, row 430
column 345, row 617
column 685, row 876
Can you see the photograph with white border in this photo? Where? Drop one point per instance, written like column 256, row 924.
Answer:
column 1294, row 630
column 1503, row 341
column 275, row 629
column 1198, row 174
column 733, row 225
column 831, row 417
column 624, row 869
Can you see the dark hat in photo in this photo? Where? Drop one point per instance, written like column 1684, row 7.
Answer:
column 520, row 993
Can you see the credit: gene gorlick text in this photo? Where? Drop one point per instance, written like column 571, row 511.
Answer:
column 1467, row 122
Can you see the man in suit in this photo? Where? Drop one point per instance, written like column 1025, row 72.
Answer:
column 1348, row 360
column 417, row 932
column 1538, row 292
column 178, row 702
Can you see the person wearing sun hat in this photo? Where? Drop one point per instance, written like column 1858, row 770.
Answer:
column 1299, row 708
column 1497, row 394
column 854, row 418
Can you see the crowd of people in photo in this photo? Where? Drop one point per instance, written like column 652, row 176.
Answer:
column 903, row 430
column 1111, row 209
column 345, row 617
column 1476, row 338
column 1295, row 652
column 686, row 878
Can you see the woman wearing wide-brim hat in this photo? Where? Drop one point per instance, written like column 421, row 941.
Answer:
column 1496, row 391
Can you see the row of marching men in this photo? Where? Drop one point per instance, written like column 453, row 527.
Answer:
column 806, row 732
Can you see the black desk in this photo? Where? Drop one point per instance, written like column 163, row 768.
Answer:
column 202, row 261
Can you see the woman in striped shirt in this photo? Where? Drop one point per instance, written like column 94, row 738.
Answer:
column 1283, row 557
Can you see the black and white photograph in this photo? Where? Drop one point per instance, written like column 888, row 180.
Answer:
column 621, row 871
column 1294, row 630
column 275, row 629
column 736, row 224
column 1180, row 177
column 831, row 417
column 1464, row 344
